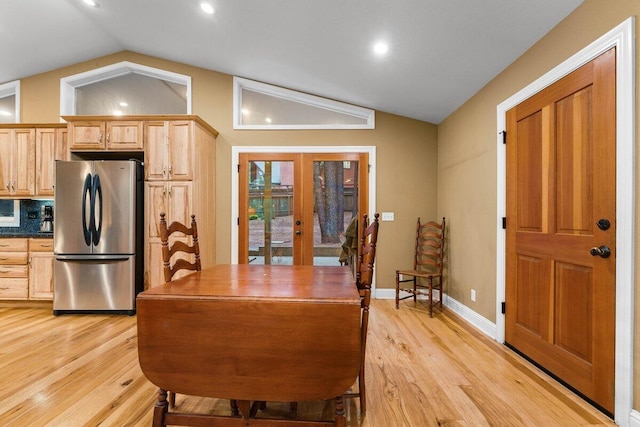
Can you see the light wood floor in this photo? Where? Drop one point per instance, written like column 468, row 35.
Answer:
column 82, row 370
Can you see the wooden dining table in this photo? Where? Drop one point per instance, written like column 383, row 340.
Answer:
column 251, row 333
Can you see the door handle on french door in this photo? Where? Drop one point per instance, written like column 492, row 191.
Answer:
column 602, row 251
column 298, row 232
column 603, row 224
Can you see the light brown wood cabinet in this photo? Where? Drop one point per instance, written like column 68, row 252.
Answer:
column 168, row 150
column 41, row 269
column 180, row 181
column 51, row 145
column 27, row 158
column 17, row 161
column 116, row 135
column 14, row 272
column 26, row 269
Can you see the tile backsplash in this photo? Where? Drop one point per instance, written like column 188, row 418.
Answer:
column 30, row 211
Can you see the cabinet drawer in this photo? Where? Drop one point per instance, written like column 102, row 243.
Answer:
column 13, row 271
column 41, row 245
column 13, row 258
column 13, row 245
column 14, row 288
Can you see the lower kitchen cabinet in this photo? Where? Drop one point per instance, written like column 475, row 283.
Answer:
column 14, row 272
column 26, row 269
column 175, row 199
column 41, row 269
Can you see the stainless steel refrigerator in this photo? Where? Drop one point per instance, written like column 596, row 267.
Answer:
column 98, row 236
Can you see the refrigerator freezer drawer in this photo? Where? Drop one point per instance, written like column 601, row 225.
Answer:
column 94, row 285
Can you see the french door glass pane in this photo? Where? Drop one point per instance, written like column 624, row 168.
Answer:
column 335, row 189
column 270, row 212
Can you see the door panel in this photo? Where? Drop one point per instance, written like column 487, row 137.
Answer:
column 560, row 298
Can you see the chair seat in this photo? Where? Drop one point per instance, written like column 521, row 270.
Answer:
column 419, row 273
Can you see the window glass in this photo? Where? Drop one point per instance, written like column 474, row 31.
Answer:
column 10, row 102
column 125, row 88
column 261, row 106
column 9, row 213
column 8, row 109
column 131, row 94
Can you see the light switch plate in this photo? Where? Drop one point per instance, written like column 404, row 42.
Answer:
column 388, row 216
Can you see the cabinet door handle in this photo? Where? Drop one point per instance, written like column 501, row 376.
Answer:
column 108, row 137
column 13, row 187
column 170, row 171
column 8, row 186
column 100, row 137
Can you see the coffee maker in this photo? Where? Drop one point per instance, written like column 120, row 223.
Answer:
column 46, row 219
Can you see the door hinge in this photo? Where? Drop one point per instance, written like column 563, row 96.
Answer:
column 504, row 136
column 238, row 167
column 504, row 307
column 504, row 222
column 238, row 220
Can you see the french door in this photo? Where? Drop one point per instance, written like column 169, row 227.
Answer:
column 294, row 208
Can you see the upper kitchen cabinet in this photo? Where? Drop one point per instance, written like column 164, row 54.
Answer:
column 51, row 145
column 169, row 148
column 87, row 133
column 17, row 161
column 174, row 148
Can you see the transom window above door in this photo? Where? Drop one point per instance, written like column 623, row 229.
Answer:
column 125, row 89
column 262, row 106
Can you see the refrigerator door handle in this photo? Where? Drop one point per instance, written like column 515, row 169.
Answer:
column 86, row 228
column 96, row 209
column 122, row 257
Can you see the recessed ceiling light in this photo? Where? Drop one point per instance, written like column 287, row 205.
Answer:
column 5, row 113
column 123, row 104
column 117, row 113
column 268, row 120
column 91, row 3
column 381, row 48
column 207, row 8
column 245, row 111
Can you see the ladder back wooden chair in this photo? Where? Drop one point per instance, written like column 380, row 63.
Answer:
column 364, row 279
column 183, row 250
column 426, row 275
column 179, row 247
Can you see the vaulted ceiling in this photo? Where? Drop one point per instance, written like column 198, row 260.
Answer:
column 441, row 52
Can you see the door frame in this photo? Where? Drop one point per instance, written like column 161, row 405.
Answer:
column 622, row 38
column 235, row 158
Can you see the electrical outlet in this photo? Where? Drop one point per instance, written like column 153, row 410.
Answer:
column 32, row 214
column 388, row 216
column 473, row 295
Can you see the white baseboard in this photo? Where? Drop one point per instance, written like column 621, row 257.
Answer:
column 634, row 418
column 481, row 323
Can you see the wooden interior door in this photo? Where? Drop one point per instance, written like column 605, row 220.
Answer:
column 279, row 205
column 561, row 228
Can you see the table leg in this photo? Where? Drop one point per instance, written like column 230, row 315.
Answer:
column 341, row 420
column 161, row 408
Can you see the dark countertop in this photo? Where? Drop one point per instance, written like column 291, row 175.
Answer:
column 26, row 234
